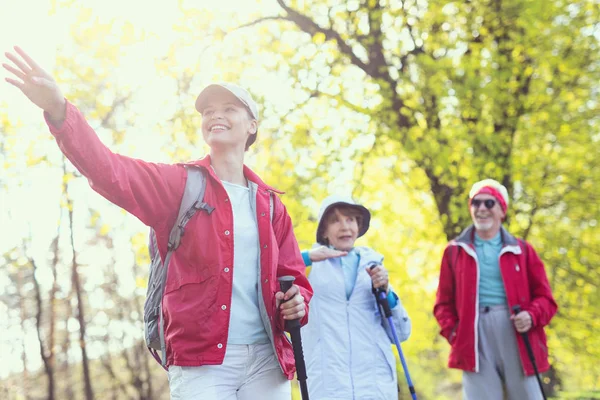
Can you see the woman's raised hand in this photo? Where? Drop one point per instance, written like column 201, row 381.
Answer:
column 36, row 84
column 323, row 253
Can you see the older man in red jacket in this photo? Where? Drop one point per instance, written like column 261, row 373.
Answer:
column 485, row 272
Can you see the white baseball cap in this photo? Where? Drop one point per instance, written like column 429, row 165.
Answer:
column 240, row 93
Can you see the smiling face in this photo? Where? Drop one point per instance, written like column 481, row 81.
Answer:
column 341, row 227
column 226, row 122
column 486, row 220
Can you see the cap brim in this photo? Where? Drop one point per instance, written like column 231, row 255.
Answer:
column 205, row 95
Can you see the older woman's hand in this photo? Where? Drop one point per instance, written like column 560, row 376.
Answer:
column 323, row 253
column 379, row 276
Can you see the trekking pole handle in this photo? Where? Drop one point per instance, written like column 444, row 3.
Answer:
column 285, row 283
column 381, row 297
column 516, row 309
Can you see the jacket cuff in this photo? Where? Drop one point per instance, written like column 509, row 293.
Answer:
column 392, row 299
column 56, row 130
column 306, row 258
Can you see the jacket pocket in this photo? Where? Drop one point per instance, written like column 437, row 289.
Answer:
column 185, row 275
column 453, row 333
column 386, row 364
column 191, row 310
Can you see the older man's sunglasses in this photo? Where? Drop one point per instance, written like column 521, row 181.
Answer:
column 489, row 203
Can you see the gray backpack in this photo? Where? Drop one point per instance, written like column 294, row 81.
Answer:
column 191, row 202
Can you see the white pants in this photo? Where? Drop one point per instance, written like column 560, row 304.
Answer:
column 247, row 371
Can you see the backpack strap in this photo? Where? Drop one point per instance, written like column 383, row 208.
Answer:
column 191, row 201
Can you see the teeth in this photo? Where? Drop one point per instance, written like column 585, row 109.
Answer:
column 218, row 127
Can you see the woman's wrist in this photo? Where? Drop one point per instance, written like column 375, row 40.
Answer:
column 306, row 257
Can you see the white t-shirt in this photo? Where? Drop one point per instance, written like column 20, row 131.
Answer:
column 245, row 325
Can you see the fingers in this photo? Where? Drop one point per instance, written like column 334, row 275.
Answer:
column 337, row 253
column 291, row 292
column 523, row 328
column 22, row 66
column 372, row 270
column 295, row 315
column 293, row 302
column 379, row 276
column 16, row 83
column 294, row 305
column 14, row 71
column 294, row 308
column 23, row 78
column 323, row 253
column 381, row 284
column 522, row 321
column 27, row 59
column 377, row 272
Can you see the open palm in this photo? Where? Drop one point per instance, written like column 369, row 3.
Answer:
column 35, row 83
column 323, row 253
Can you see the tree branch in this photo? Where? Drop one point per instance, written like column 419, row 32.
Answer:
column 261, row 20
column 309, row 26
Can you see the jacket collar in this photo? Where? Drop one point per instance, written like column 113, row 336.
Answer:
column 368, row 256
column 468, row 235
column 204, row 162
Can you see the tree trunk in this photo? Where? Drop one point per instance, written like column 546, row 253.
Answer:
column 52, row 314
column 46, row 358
column 66, row 346
column 76, row 281
column 23, row 312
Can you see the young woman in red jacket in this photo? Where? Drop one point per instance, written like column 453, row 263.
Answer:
column 222, row 307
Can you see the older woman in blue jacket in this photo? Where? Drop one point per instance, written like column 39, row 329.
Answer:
column 347, row 341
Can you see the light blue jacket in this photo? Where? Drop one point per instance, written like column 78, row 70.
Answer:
column 347, row 343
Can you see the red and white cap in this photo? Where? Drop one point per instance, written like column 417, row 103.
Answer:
column 491, row 187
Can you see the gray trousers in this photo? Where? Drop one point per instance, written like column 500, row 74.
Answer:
column 500, row 367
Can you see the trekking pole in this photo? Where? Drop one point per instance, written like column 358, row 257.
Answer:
column 293, row 327
column 517, row 309
column 382, row 301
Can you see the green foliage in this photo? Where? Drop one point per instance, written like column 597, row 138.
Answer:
column 454, row 93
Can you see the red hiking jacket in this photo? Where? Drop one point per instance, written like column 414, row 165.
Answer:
column 198, row 290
